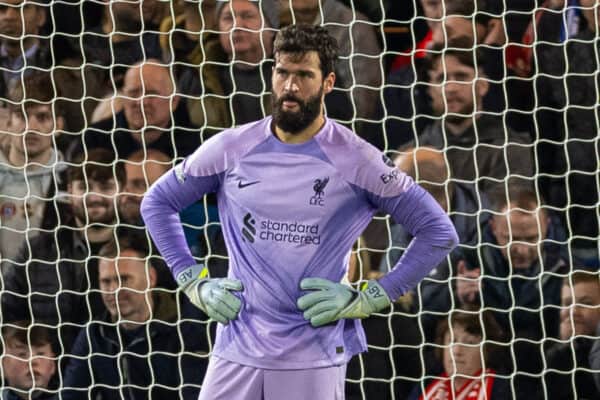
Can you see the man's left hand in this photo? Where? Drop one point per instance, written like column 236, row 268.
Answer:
column 332, row 301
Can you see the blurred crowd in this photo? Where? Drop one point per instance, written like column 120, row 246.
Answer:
column 492, row 106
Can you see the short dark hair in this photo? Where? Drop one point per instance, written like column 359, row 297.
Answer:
column 98, row 165
column 33, row 90
column 126, row 240
column 474, row 322
column 301, row 38
column 30, row 335
column 480, row 10
column 460, row 48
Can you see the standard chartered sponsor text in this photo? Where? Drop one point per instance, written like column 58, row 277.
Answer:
column 290, row 232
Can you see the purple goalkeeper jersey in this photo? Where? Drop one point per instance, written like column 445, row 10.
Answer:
column 288, row 212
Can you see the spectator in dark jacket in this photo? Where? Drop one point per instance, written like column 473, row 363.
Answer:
column 481, row 149
column 466, row 24
column 50, row 279
column 28, row 362
column 153, row 117
column 138, row 350
column 567, row 375
column 522, row 258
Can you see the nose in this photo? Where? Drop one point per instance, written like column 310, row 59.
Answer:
column 437, row 34
column 290, row 84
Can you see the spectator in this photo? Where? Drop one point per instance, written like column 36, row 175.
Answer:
column 567, row 361
column 24, row 50
column 246, row 32
column 30, row 163
column 520, row 260
column 568, row 119
column 138, row 349
column 153, row 117
column 359, row 72
column 465, row 25
column 466, row 361
column 28, row 362
column 20, row 45
column 51, row 278
column 482, row 150
column 196, row 64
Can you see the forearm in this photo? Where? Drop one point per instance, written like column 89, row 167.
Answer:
column 434, row 238
column 160, row 211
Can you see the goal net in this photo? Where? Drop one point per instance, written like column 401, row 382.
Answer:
column 492, row 107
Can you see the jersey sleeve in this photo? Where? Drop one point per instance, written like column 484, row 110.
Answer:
column 181, row 186
column 434, row 236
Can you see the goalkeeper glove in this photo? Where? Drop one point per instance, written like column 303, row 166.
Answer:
column 213, row 296
column 332, row 301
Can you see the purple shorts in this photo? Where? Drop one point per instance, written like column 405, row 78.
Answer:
column 226, row 380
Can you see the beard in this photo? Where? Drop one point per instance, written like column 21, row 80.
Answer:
column 80, row 211
column 295, row 122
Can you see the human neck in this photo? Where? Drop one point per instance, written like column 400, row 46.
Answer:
column 13, row 47
column 247, row 60
column 147, row 136
column 458, row 382
column 302, row 136
column 96, row 233
column 32, row 163
column 139, row 317
column 456, row 127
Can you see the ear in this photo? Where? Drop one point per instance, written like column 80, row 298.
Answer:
column 482, row 86
column 60, row 124
column 175, row 101
column 152, row 276
column 41, row 16
column 328, row 83
column 461, row 267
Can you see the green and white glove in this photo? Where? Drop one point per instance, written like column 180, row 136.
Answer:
column 332, row 301
column 213, row 296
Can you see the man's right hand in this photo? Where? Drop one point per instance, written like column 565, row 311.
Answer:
column 213, row 296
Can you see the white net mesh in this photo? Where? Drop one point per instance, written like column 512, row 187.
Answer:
column 491, row 106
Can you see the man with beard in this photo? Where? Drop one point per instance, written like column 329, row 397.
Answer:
column 50, row 279
column 481, row 149
column 295, row 190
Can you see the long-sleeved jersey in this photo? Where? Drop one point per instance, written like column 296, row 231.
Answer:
column 288, row 212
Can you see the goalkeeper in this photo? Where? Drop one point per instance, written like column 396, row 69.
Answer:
column 295, row 190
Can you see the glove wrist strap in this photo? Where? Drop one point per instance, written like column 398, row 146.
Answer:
column 192, row 273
